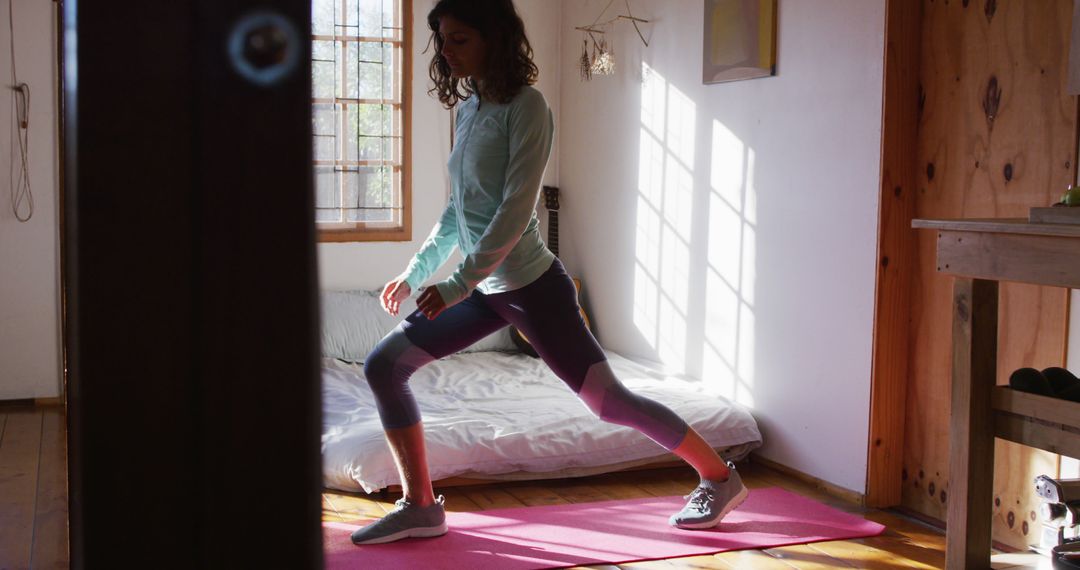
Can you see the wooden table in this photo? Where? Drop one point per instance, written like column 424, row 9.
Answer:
column 980, row 253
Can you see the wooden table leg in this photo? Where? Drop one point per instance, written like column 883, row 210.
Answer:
column 971, row 437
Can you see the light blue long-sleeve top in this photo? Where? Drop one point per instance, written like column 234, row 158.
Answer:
column 496, row 169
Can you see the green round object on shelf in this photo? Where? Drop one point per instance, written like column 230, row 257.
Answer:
column 1071, row 197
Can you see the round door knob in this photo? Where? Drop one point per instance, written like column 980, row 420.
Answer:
column 264, row 47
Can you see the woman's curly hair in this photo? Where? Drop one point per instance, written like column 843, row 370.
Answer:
column 509, row 65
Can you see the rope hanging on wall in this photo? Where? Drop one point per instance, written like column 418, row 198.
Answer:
column 22, row 197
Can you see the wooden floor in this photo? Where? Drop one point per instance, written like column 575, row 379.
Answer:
column 33, row 488
column 33, row 508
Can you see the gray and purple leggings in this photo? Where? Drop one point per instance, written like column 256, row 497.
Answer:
column 547, row 312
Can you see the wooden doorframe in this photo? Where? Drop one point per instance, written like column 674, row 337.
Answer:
column 899, row 131
column 61, row 184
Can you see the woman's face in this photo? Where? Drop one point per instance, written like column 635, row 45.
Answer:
column 463, row 47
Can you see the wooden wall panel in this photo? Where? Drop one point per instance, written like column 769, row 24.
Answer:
column 899, row 131
column 997, row 135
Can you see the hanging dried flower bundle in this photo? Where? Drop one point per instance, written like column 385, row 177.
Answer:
column 602, row 59
column 585, row 63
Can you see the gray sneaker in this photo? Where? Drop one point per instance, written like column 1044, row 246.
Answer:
column 711, row 502
column 405, row 521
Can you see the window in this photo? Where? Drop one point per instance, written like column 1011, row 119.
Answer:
column 360, row 72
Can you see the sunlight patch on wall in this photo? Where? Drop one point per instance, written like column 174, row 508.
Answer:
column 664, row 217
column 651, row 170
column 728, row 357
column 646, row 297
column 653, row 100
column 679, row 199
column 649, row 209
column 682, row 113
column 674, row 298
column 749, row 262
column 721, row 341
column 647, row 269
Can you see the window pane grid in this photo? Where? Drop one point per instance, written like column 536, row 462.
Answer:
column 357, row 64
column 393, row 40
column 357, row 163
column 355, row 101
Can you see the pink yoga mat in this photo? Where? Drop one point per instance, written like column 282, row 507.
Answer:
column 606, row 532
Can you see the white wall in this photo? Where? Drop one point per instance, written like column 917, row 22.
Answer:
column 730, row 230
column 370, row 265
column 29, row 252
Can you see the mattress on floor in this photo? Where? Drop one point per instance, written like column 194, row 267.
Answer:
column 496, row 415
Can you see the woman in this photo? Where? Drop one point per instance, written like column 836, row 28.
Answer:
column 483, row 66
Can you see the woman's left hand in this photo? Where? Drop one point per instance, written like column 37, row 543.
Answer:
column 431, row 303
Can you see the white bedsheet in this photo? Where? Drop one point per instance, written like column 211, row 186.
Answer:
column 504, row 415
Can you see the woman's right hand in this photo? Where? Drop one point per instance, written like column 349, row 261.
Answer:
column 393, row 294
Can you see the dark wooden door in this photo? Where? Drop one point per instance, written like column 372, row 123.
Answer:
column 191, row 285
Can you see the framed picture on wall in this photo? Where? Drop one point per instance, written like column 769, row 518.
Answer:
column 739, row 40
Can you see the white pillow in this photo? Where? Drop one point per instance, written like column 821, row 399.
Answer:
column 353, row 322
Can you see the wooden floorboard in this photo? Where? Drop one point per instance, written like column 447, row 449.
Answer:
column 873, row 555
column 50, row 548
column 490, row 497
column 751, row 560
column 908, row 531
column 574, row 491
column 806, row 557
column 535, row 495
column 458, row 502
column 20, row 450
